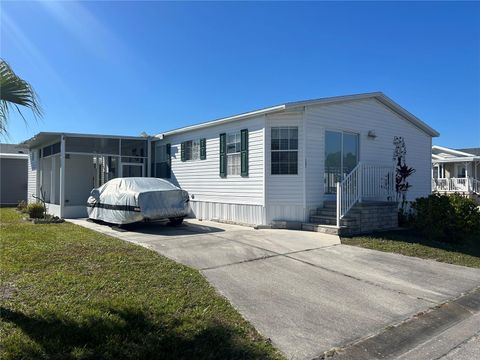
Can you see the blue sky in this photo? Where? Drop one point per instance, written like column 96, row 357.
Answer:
column 128, row 67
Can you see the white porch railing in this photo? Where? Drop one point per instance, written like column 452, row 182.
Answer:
column 476, row 186
column 365, row 181
column 462, row 185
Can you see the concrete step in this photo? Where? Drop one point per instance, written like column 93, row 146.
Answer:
column 326, row 229
column 326, row 212
column 330, row 204
column 333, row 212
column 330, row 220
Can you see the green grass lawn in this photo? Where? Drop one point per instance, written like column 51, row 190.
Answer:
column 71, row 293
column 406, row 242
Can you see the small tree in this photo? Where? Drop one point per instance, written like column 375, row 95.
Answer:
column 402, row 171
column 15, row 92
column 41, row 198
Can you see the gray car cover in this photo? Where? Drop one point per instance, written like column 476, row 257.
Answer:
column 128, row 200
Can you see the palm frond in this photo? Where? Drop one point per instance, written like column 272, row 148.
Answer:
column 15, row 92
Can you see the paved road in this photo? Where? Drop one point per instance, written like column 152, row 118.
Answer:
column 306, row 291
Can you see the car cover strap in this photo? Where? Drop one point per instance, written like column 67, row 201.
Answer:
column 115, row 207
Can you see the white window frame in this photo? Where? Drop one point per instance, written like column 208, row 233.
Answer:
column 194, row 150
column 279, row 128
column 234, row 160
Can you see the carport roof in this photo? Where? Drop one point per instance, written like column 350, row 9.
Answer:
column 43, row 138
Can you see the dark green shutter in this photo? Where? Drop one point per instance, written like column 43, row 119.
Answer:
column 244, row 152
column 203, row 149
column 169, row 160
column 223, row 155
column 182, row 151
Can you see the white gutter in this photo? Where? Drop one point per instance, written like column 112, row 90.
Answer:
column 13, row 156
column 223, row 120
column 458, row 159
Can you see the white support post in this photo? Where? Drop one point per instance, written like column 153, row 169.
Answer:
column 120, row 165
column 52, row 180
column 339, row 199
column 62, row 176
column 467, row 180
column 149, row 157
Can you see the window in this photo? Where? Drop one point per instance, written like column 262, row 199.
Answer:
column 233, row 153
column 284, row 150
column 192, row 150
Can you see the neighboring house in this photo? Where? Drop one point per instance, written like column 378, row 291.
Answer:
column 456, row 171
column 280, row 163
column 13, row 174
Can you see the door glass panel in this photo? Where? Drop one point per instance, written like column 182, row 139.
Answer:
column 350, row 152
column 333, row 160
column 132, row 171
column 341, row 156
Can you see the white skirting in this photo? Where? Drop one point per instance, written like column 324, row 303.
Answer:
column 53, row 209
column 239, row 213
column 287, row 212
column 75, row 211
column 69, row 212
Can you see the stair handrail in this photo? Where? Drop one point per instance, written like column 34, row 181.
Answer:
column 349, row 191
column 365, row 181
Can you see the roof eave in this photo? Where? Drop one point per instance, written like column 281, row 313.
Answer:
column 221, row 121
column 405, row 113
column 452, row 151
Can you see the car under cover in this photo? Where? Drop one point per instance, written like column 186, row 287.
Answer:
column 133, row 199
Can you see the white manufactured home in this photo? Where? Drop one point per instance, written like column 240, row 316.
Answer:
column 456, row 171
column 282, row 163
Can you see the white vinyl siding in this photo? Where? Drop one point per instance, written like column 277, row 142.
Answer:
column 360, row 117
column 285, row 193
column 202, row 178
column 32, row 175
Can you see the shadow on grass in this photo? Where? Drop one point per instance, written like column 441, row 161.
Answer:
column 470, row 246
column 129, row 335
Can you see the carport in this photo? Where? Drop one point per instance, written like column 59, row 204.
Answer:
column 63, row 168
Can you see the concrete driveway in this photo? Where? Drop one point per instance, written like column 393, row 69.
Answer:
column 305, row 291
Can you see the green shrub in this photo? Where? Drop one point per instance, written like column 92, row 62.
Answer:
column 446, row 217
column 35, row 210
column 22, row 206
